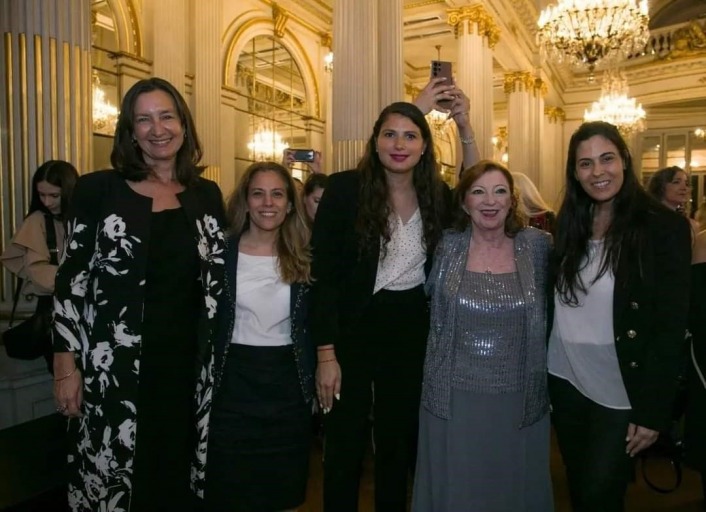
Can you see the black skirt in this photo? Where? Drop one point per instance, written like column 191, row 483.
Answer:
column 259, row 434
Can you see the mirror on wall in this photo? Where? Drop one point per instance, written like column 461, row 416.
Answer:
column 275, row 102
column 105, row 97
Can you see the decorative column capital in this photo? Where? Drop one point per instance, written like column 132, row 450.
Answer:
column 540, row 87
column 411, row 90
column 474, row 15
column 519, row 81
column 280, row 17
column 555, row 114
column 327, row 40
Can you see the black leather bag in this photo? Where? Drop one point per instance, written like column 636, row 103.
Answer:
column 31, row 339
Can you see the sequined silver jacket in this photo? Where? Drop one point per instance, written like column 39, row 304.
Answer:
column 532, row 248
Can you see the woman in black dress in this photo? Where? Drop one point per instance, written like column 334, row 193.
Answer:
column 134, row 312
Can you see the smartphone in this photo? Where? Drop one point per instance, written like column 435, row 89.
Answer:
column 441, row 68
column 303, row 155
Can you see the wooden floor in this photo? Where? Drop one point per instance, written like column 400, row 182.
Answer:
column 640, row 498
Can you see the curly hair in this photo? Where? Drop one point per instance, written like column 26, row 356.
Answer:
column 292, row 244
column 516, row 219
column 127, row 157
column 575, row 218
column 374, row 211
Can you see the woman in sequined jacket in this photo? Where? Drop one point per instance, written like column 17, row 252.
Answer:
column 259, row 438
column 486, row 357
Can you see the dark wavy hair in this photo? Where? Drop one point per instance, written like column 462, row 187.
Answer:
column 60, row 174
column 374, row 207
column 574, row 226
column 659, row 180
column 516, row 219
column 293, row 252
column 127, row 156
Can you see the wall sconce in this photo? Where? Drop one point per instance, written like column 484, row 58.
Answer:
column 328, row 62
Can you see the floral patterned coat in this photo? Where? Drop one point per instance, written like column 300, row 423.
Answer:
column 98, row 315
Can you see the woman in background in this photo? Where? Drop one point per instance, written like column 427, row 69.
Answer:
column 671, row 187
column 484, row 418
column 313, row 190
column 620, row 313
column 28, row 256
column 134, row 312
column 539, row 213
column 259, row 439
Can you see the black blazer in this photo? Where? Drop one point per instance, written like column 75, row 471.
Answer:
column 344, row 279
column 650, row 308
column 304, row 353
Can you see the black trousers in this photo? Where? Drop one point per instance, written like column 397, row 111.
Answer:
column 383, row 352
column 592, row 444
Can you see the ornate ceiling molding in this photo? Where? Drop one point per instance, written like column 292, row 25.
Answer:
column 466, row 17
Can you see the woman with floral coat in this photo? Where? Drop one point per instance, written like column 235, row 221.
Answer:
column 135, row 305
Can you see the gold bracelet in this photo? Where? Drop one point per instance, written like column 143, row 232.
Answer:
column 67, row 375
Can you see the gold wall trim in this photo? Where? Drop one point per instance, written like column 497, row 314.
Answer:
column 303, row 22
column 78, row 139
column 280, row 18
column 9, row 78
column 423, row 3
column 39, row 97
column 468, row 16
column 135, row 28
column 53, row 100
column 24, row 117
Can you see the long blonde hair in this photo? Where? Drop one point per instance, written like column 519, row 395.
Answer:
column 530, row 199
column 292, row 243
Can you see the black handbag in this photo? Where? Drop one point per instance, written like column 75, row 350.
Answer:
column 31, row 339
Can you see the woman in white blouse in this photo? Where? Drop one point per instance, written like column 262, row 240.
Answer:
column 260, row 424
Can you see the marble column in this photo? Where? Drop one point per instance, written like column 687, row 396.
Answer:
column 525, row 109
column 391, row 54
column 45, row 98
column 476, row 35
column 367, row 72
column 207, row 82
column 552, row 172
column 169, row 44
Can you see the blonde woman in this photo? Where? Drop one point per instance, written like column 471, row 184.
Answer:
column 540, row 214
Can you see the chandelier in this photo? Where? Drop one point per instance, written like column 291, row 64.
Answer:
column 105, row 114
column 267, row 145
column 586, row 31
column 615, row 107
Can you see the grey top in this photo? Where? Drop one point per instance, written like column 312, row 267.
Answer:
column 532, row 248
column 490, row 331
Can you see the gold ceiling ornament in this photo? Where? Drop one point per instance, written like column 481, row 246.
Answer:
column 327, row 40
column 555, row 114
column 616, row 107
column 585, row 32
column 280, row 17
column 474, row 14
column 519, row 81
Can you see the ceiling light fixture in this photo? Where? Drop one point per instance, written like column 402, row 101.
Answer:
column 585, row 32
column 615, row 107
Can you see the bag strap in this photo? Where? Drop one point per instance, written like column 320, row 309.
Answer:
column 51, row 239
column 18, row 288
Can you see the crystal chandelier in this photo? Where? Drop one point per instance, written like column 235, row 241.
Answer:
column 615, row 107
column 586, row 31
column 105, row 114
column 267, row 145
